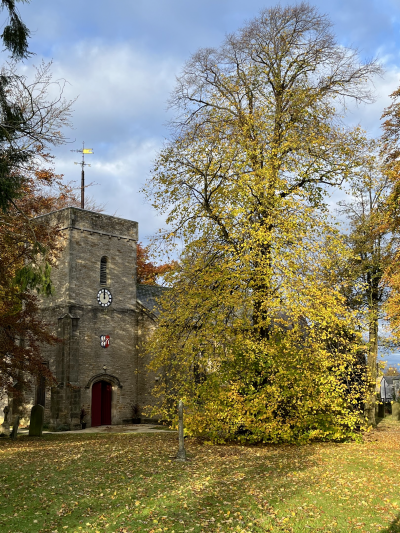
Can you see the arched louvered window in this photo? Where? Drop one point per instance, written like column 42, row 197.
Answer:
column 103, row 270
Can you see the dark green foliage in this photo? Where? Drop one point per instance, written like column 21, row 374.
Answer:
column 14, row 124
column 15, row 34
column 34, row 277
column 12, row 157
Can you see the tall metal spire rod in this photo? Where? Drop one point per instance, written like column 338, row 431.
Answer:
column 83, row 165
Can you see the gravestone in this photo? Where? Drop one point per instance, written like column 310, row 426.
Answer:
column 36, row 422
column 181, row 456
column 6, row 424
column 396, row 410
column 14, row 431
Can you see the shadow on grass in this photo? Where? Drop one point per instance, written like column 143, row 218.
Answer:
column 129, row 482
column 394, row 526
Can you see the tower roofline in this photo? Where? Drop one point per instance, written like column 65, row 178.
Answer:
column 76, row 218
column 84, row 211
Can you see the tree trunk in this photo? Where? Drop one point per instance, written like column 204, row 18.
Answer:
column 372, row 351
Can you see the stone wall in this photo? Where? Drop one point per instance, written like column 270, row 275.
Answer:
column 145, row 379
column 78, row 320
column 74, row 315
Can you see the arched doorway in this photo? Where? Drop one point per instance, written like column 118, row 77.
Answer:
column 101, row 403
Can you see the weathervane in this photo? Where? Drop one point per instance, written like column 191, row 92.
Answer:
column 83, row 165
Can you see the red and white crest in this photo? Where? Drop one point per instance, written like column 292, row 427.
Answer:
column 104, row 341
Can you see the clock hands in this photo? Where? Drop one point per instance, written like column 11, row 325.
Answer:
column 104, row 297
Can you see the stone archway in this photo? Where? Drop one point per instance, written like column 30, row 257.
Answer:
column 104, row 377
column 101, row 403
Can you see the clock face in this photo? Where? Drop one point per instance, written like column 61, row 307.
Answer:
column 104, row 297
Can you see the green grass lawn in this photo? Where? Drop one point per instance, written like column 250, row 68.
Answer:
column 128, row 483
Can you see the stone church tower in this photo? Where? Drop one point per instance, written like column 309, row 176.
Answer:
column 102, row 324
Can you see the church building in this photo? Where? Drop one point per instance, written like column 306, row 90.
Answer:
column 102, row 318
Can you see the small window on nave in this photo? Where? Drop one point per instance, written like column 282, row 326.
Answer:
column 103, row 270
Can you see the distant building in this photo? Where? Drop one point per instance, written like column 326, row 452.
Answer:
column 389, row 388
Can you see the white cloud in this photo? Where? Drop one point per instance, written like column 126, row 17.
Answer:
column 120, row 90
column 369, row 115
column 122, row 60
column 120, row 113
column 118, row 179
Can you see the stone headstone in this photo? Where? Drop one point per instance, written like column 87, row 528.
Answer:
column 14, row 431
column 181, row 456
column 36, row 422
column 6, row 412
column 6, row 424
column 396, row 410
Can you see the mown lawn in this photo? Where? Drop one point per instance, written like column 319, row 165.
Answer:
column 128, row 483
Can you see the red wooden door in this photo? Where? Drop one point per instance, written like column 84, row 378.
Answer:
column 96, row 404
column 101, row 403
column 106, row 403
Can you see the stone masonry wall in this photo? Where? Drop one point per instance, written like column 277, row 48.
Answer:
column 76, row 317
column 145, row 379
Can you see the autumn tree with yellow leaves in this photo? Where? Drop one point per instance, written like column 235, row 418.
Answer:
column 391, row 152
column 372, row 245
column 254, row 335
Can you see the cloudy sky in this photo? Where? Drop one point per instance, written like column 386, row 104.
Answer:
column 120, row 59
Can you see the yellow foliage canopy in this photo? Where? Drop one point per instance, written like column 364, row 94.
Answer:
column 255, row 335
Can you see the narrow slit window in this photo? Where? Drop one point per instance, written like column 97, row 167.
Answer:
column 103, row 270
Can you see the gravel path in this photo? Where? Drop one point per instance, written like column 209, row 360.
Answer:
column 122, row 428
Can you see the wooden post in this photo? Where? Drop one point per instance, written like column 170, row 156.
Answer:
column 83, row 189
column 181, row 456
